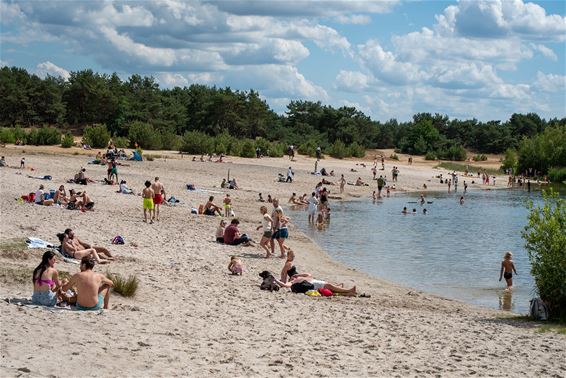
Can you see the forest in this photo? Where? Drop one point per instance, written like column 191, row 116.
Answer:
column 202, row 119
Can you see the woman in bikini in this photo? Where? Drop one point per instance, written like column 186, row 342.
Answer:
column 46, row 281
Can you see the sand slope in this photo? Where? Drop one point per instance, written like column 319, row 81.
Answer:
column 191, row 318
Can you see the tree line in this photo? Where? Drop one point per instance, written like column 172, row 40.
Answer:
column 139, row 111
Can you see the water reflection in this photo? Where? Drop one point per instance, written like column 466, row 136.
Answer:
column 455, row 250
column 506, row 300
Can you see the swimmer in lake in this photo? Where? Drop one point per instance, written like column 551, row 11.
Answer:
column 462, row 200
column 414, row 211
column 507, row 269
column 424, row 211
column 404, row 210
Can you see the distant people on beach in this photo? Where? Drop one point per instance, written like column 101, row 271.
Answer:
column 232, row 235
column 507, row 270
column 75, row 249
column 23, row 163
column 210, row 208
column 295, row 285
column 380, row 185
column 93, row 289
column 342, row 182
column 158, row 196
column 148, row 206
column 227, row 205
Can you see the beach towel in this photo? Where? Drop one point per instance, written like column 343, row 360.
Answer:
column 203, row 191
column 33, row 242
column 46, row 177
column 136, row 157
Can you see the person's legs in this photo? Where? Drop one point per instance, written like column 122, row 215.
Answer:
column 157, row 211
column 105, row 292
column 104, row 251
column 263, row 243
column 281, row 242
column 341, row 290
column 144, row 214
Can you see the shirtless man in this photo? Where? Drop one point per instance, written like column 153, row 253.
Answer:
column 76, row 244
column 158, row 196
column 93, row 289
column 147, row 195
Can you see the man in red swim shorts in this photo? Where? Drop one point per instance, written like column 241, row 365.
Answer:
column 159, row 196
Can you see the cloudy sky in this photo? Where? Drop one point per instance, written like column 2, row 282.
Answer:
column 390, row 59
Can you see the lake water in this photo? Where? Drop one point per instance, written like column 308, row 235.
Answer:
column 454, row 250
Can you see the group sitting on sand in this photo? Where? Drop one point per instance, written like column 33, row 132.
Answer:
column 90, row 291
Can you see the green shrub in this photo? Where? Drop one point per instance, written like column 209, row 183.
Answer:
column 394, row 157
column 509, row 160
column 248, row 149
column 68, row 141
column 308, row 147
column 479, row 157
column 45, row 136
column 457, row 153
column 338, row 150
column 356, row 150
column 431, row 155
column 7, row 135
column 96, row 136
column 149, row 157
column 121, row 142
column 126, row 287
column 557, row 174
column 144, row 135
column 171, row 141
column 545, row 237
column 196, row 142
column 275, row 150
column 235, row 148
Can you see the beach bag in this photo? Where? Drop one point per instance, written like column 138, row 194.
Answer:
column 302, row 287
column 118, row 240
column 191, row 187
column 538, row 310
column 71, row 206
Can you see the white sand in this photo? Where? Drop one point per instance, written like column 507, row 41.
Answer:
column 190, row 317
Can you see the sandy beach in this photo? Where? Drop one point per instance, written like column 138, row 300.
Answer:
column 191, row 318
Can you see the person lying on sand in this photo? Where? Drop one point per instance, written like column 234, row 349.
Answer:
column 318, row 284
column 70, row 251
column 78, row 244
column 93, row 289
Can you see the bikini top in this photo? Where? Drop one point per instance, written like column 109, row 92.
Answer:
column 41, row 282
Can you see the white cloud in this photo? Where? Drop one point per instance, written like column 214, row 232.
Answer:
column 354, row 19
column 545, row 51
column 48, row 68
column 351, row 81
column 500, row 19
column 550, row 83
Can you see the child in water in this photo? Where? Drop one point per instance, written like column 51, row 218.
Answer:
column 507, row 269
column 236, row 266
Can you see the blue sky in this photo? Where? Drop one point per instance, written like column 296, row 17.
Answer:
column 390, row 59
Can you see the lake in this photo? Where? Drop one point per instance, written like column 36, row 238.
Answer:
column 454, row 250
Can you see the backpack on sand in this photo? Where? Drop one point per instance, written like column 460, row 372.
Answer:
column 538, row 310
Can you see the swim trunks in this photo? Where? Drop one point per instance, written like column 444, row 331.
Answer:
column 97, row 306
column 508, row 275
column 267, row 234
column 148, row 203
column 158, row 199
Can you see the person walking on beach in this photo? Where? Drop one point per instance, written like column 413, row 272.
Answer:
column 23, row 163
column 266, row 224
column 93, row 289
column 148, row 207
column 158, row 196
column 290, row 175
column 342, row 182
column 507, row 269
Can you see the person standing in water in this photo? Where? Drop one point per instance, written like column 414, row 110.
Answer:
column 507, row 269
column 342, row 182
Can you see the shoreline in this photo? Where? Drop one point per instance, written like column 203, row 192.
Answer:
column 190, row 317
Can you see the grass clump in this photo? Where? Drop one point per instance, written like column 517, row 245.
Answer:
column 126, row 287
column 558, row 328
column 14, row 249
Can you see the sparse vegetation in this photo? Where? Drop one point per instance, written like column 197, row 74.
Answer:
column 126, row 287
column 394, row 157
column 462, row 168
column 14, row 249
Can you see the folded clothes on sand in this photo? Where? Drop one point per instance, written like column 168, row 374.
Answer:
column 46, row 177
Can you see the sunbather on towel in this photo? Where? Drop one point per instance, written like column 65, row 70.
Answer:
column 70, row 250
column 93, row 289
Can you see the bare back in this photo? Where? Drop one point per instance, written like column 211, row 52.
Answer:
column 88, row 284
